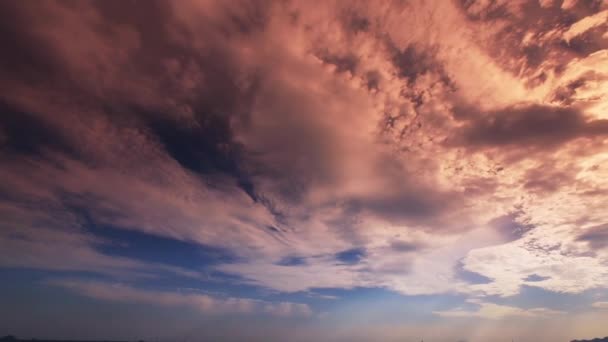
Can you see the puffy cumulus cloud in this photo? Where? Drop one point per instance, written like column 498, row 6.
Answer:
column 548, row 258
column 563, row 248
column 426, row 139
column 204, row 303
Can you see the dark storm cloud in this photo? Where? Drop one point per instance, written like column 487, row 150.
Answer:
column 532, row 126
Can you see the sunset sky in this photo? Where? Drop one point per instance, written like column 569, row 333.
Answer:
column 304, row 170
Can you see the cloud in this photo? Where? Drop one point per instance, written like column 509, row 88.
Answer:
column 526, row 38
column 405, row 246
column 536, row 260
column 51, row 240
column 201, row 302
column 376, row 145
column 600, row 305
column 499, row 312
column 596, row 236
column 532, row 126
column 586, row 24
column 509, row 226
column 535, row 277
column 351, row 256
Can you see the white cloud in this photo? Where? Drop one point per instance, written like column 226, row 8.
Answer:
column 546, row 251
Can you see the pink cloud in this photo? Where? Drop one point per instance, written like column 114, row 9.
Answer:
column 204, row 303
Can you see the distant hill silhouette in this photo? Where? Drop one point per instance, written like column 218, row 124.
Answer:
column 11, row 338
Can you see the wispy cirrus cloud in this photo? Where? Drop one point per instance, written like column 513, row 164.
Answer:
column 204, row 303
column 498, row 312
column 600, row 305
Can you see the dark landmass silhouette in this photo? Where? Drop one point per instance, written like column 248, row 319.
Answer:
column 11, row 338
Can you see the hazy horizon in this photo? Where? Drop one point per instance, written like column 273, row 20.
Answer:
column 291, row 170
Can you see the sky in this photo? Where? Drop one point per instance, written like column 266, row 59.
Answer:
column 304, row 170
